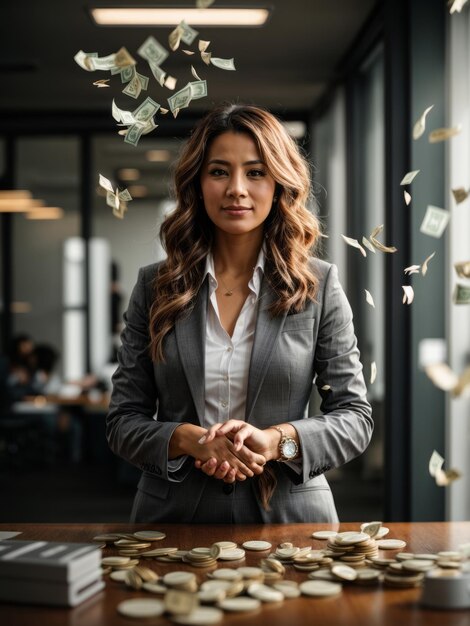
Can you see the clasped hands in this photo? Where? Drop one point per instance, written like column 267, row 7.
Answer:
column 235, row 450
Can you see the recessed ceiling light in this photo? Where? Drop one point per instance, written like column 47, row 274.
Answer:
column 18, row 205
column 171, row 16
column 45, row 213
column 20, row 307
column 138, row 191
column 15, row 194
column 158, row 155
column 129, row 173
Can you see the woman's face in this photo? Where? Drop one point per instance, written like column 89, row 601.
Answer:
column 236, row 187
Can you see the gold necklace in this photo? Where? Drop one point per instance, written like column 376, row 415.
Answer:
column 228, row 291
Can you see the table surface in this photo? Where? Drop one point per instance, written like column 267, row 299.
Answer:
column 82, row 400
column 356, row 606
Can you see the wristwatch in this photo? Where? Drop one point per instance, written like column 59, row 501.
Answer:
column 288, row 447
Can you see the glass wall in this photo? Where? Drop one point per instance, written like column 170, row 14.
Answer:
column 349, row 170
column 49, row 167
column 366, row 210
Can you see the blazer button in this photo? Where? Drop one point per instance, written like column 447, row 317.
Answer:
column 227, row 488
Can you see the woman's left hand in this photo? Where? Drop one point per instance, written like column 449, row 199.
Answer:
column 257, row 440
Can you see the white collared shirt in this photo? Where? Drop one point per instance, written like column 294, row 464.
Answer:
column 227, row 359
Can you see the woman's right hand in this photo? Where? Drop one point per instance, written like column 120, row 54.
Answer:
column 225, row 463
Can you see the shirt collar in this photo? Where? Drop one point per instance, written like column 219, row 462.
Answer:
column 255, row 280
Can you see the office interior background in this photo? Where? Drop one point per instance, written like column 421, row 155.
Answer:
column 349, row 78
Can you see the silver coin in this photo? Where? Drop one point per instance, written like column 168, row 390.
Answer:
column 390, row 544
column 257, row 545
column 240, row 604
column 202, row 616
column 324, row 534
column 320, row 588
column 141, row 607
column 265, row 593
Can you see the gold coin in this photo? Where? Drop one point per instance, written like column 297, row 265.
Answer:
column 150, row 535
column 107, row 538
column 133, row 580
column 147, row 574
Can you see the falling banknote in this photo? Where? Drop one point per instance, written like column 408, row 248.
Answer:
column 442, row 478
column 463, row 269
column 420, row 125
column 444, row 378
column 377, row 244
column 409, row 177
column 461, row 294
column 354, row 243
column 223, row 64
column 435, row 221
column 460, row 194
column 442, row 134
column 115, row 199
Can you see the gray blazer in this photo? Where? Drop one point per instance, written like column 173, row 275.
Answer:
column 150, row 400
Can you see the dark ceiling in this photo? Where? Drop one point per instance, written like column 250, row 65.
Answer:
column 285, row 64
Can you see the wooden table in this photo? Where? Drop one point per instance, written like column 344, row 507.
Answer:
column 356, row 606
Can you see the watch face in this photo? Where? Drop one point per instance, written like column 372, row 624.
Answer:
column 289, row 449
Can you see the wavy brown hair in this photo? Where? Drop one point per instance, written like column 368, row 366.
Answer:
column 187, row 233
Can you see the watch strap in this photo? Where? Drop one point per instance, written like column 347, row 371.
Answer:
column 284, row 438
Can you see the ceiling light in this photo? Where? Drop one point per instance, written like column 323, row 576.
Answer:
column 128, row 173
column 138, row 191
column 20, row 307
column 159, row 16
column 20, row 205
column 15, row 194
column 158, row 155
column 46, row 213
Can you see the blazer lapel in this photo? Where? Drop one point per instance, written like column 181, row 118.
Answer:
column 190, row 338
column 267, row 330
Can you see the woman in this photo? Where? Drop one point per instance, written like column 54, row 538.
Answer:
column 223, row 341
